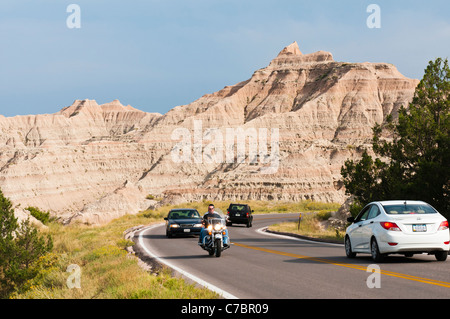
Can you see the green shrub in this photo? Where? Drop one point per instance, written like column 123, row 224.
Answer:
column 323, row 215
column 21, row 247
column 44, row 217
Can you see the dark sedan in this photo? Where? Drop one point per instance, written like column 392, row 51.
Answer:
column 183, row 221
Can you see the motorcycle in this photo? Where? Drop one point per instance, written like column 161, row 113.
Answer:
column 216, row 240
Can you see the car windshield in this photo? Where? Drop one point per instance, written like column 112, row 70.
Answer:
column 183, row 214
column 409, row 209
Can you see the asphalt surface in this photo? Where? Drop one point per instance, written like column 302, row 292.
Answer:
column 266, row 266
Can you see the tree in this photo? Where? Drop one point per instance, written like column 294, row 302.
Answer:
column 416, row 159
column 20, row 246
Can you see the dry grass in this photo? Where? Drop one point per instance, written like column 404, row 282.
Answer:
column 259, row 207
column 310, row 226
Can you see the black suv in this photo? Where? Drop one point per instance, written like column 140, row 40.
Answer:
column 239, row 214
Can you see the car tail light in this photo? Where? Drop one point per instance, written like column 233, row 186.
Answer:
column 390, row 226
column 392, row 244
column 443, row 225
column 446, row 242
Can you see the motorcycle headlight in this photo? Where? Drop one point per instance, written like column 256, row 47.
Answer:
column 209, row 227
column 217, row 227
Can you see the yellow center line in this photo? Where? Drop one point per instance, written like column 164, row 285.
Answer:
column 331, row 262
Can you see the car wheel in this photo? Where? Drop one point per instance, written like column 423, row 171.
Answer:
column 168, row 234
column 441, row 255
column 375, row 251
column 348, row 248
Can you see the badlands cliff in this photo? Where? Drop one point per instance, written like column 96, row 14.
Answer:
column 304, row 114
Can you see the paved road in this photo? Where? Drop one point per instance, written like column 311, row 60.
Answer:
column 264, row 266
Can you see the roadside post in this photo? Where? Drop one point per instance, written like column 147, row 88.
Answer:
column 299, row 220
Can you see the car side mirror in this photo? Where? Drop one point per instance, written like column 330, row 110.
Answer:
column 351, row 219
column 252, row 210
column 165, row 218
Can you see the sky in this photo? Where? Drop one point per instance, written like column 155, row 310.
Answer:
column 157, row 54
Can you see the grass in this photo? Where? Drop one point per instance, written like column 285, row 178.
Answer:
column 259, row 207
column 109, row 272
column 310, row 226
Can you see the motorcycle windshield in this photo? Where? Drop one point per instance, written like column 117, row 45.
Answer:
column 216, row 221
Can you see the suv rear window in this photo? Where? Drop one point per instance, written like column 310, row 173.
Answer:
column 409, row 209
column 238, row 207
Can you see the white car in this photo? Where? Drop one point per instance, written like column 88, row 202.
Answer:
column 398, row 227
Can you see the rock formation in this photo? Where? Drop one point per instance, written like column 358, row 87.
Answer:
column 93, row 162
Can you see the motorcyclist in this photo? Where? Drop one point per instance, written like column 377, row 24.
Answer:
column 210, row 214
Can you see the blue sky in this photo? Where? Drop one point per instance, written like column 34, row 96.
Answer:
column 157, row 54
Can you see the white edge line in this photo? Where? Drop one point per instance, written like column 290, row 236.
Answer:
column 203, row 283
column 261, row 231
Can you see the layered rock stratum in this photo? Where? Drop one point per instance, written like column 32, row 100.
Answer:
column 305, row 114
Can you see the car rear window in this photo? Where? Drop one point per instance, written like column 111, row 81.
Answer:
column 409, row 209
column 180, row 214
